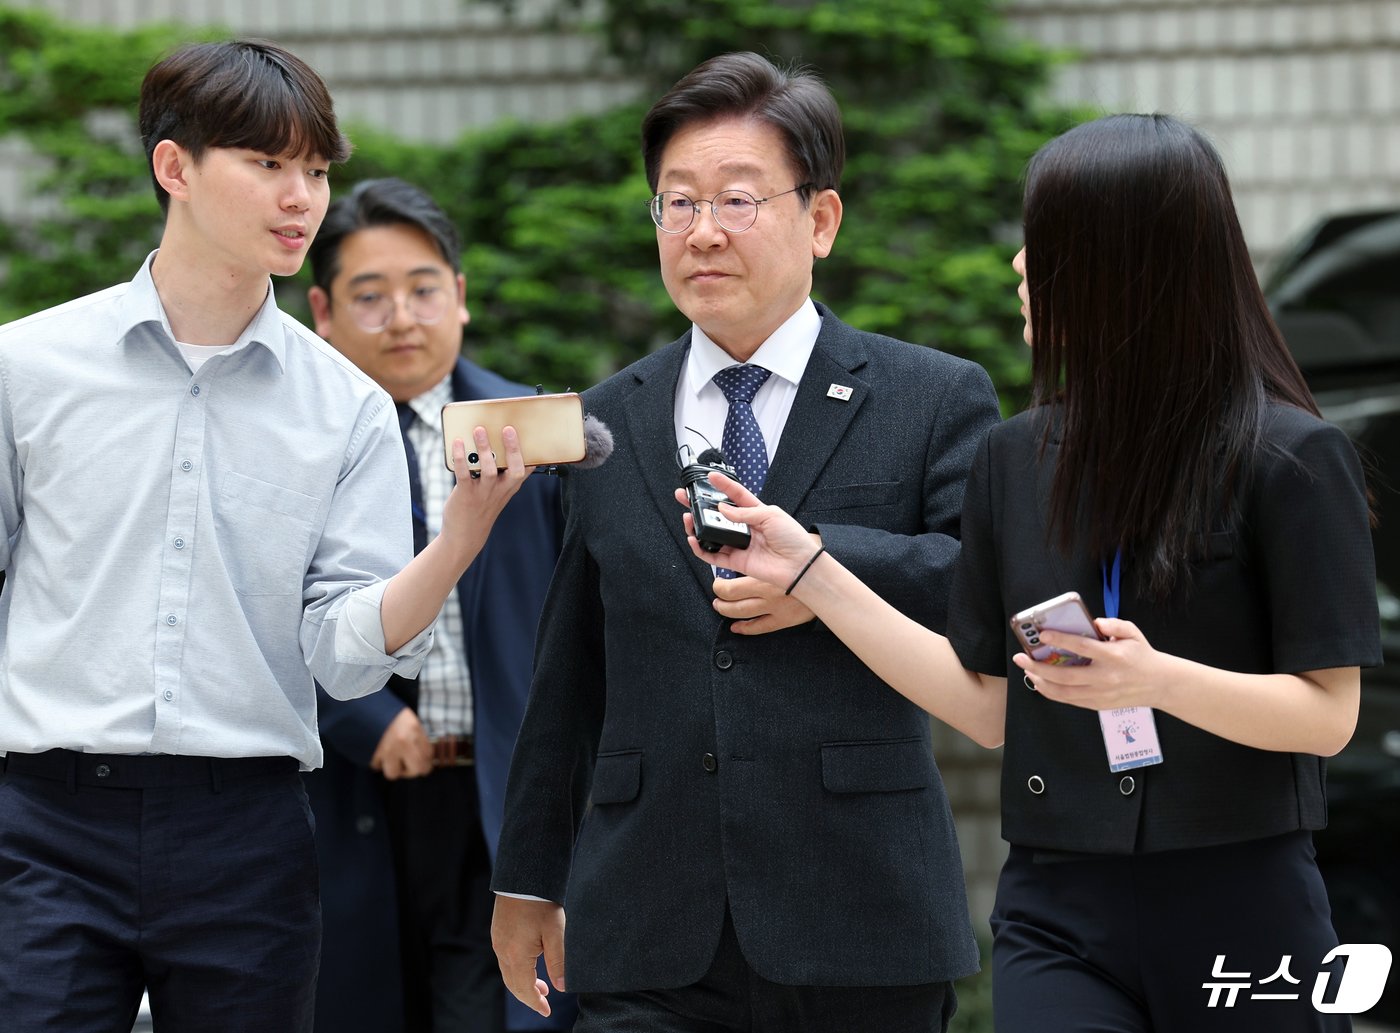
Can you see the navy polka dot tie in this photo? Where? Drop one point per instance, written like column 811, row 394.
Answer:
column 743, row 443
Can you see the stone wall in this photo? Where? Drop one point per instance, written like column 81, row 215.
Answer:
column 1301, row 97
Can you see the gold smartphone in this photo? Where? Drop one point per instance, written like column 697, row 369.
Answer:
column 550, row 427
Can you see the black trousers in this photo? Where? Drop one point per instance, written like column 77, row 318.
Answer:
column 1130, row 944
column 443, row 873
column 733, row 998
column 193, row 877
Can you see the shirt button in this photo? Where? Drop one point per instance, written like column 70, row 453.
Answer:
column 709, row 763
column 169, row 695
column 724, row 660
column 195, row 390
column 1036, row 784
column 102, row 771
column 187, row 466
column 1127, row 785
column 171, row 619
column 179, row 543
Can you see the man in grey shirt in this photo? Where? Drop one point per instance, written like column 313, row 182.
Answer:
column 204, row 507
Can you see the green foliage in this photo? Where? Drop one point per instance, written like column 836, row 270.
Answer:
column 560, row 255
column 941, row 115
column 69, row 93
column 974, row 1014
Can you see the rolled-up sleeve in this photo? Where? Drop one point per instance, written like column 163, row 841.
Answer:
column 359, row 635
column 367, row 538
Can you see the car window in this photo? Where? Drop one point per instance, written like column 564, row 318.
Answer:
column 1337, row 300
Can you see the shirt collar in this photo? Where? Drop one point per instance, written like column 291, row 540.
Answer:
column 428, row 406
column 785, row 352
column 141, row 304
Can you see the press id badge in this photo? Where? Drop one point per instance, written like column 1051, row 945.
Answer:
column 1129, row 733
column 1130, row 737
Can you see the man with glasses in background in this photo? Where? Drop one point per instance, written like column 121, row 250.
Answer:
column 745, row 826
column 409, row 803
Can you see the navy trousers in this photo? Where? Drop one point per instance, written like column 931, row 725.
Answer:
column 443, row 875
column 1128, row 944
column 192, row 877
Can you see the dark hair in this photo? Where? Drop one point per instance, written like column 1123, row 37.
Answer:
column 380, row 202
column 1151, row 336
column 793, row 101
column 238, row 93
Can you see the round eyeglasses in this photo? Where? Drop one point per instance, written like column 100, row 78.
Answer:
column 374, row 310
column 733, row 210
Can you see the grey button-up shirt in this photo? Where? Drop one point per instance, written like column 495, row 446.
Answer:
column 185, row 552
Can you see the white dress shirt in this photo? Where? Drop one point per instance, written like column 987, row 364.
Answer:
column 185, row 551
column 700, row 404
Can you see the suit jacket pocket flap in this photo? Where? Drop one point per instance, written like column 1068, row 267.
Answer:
column 851, row 496
column 617, row 777
column 881, row 766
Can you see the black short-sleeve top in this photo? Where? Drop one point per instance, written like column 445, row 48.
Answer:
column 1290, row 588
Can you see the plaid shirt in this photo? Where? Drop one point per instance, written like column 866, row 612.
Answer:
column 445, row 683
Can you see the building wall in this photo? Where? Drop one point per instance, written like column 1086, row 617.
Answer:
column 1301, row 96
column 425, row 69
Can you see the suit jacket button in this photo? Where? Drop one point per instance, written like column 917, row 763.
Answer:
column 709, row 763
column 364, row 824
column 1127, row 785
column 724, row 660
column 1036, row 784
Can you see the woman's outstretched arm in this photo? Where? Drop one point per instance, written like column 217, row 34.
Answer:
column 918, row 663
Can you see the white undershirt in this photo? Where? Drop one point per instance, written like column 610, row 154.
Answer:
column 197, row 355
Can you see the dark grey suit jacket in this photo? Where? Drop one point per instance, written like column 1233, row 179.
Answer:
column 666, row 766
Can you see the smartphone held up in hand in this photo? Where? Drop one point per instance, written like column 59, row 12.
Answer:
column 550, row 428
column 1065, row 613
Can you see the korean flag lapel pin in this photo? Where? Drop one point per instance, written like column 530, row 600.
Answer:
column 840, row 392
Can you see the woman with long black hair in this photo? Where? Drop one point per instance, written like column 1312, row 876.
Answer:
column 1174, row 472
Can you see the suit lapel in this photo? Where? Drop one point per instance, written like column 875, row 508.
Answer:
column 812, row 434
column 817, row 422
column 650, row 430
column 464, row 386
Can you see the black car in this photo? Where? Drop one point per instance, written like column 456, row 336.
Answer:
column 1336, row 297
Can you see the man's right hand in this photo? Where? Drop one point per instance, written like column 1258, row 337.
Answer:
column 522, row 930
column 403, row 750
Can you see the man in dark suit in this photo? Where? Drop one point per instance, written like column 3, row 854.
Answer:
column 746, row 827
column 408, row 806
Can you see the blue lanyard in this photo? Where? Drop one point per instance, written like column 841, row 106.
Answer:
column 1111, row 584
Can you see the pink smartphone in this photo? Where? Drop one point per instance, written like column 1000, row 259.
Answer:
column 1063, row 613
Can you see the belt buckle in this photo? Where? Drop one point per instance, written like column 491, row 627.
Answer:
column 452, row 751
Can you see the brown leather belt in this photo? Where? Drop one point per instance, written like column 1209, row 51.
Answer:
column 452, row 751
